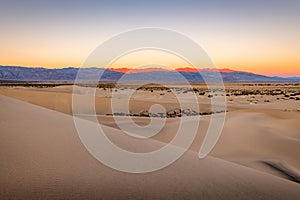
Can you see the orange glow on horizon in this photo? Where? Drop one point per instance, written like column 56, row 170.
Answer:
column 275, row 67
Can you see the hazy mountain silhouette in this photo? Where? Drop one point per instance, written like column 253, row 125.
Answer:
column 16, row 73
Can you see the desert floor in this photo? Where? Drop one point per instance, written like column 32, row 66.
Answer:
column 256, row 157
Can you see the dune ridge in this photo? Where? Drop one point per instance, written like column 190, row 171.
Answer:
column 43, row 158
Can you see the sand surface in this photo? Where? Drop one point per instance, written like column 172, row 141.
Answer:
column 256, row 157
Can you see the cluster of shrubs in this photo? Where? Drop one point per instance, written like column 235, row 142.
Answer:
column 177, row 112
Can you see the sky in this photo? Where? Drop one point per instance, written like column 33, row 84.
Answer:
column 259, row 36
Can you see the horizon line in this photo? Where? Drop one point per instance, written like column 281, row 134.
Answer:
column 181, row 69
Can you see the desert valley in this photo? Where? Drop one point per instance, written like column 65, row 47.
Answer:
column 149, row 100
column 256, row 157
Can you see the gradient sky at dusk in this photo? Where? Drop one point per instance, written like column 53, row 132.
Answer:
column 261, row 36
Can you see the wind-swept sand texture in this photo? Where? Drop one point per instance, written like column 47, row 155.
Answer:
column 42, row 157
column 256, row 157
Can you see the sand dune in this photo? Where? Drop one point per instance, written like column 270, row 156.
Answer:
column 42, row 157
column 248, row 138
column 256, row 157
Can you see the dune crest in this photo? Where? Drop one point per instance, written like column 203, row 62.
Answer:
column 45, row 155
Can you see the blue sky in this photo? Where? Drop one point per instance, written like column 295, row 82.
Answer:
column 258, row 36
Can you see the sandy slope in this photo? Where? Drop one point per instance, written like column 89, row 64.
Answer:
column 42, row 157
column 253, row 135
column 250, row 138
column 60, row 99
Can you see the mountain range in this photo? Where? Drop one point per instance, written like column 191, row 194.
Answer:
column 17, row 73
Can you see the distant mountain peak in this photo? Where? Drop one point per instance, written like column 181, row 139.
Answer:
column 139, row 70
column 17, row 73
column 181, row 69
